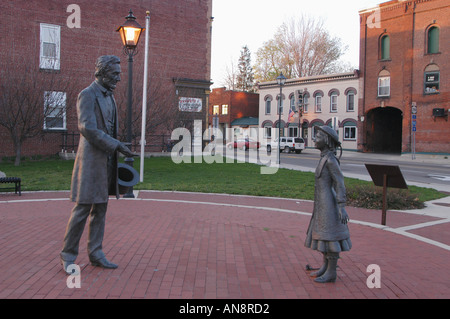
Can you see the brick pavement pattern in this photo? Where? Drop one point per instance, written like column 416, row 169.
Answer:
column 203, row 246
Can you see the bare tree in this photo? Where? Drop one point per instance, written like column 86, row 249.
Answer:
column 163, row 114
column 301, row 47
column 32, row 101
column 230, row 80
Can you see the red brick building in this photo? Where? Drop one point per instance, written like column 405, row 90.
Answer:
column 56, row 43
column 404, row 86
column 232, row 105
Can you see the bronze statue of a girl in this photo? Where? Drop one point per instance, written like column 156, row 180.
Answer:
column 328, row 231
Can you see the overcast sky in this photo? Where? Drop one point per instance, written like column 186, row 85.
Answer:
column 252, row 22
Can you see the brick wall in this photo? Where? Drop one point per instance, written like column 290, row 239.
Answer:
column 240, row 104
column 179, row 36
column 405, row 22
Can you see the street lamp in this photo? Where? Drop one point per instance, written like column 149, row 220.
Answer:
column 281, row 80
column 130, row 33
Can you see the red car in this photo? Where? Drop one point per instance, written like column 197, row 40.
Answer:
column 244, row 143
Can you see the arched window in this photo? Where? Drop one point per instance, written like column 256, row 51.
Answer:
column 305, row 102
column 280, row 103
column 333, row 94
column 268, row 100
column 385, row 47
column 350, row 130
column 433, row 40
column 318, row 95
column 384, row 83
column 267, row 126
column 292, row 101
column 431, row 81
column 351, row 94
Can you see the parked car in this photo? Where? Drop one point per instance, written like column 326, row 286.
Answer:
column 288, row 144
column 243, row 143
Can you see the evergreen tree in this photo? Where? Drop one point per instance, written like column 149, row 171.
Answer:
column 245, row 80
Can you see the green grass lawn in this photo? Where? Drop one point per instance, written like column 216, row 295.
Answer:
column 161, row 173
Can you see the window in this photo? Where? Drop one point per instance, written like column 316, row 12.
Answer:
column 318, row 103
column 333, row 102
column 215, row 109
column 280, row 104
column 385, row 47
column 49, row 56
column 268, row 131
column 54, row 110
column 224, row 109
column 293, row 131
column 268, row 104
column 351, row 101
column 431, row 81
column 305, row 103
column 384, row 83
column 433, row 40
column 292, row 100
column 350, row 132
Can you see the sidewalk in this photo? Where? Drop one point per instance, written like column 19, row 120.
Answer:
column 442, row 160
column 214, row 246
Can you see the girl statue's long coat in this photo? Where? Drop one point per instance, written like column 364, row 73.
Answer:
column 326, row 231
column 90, row 173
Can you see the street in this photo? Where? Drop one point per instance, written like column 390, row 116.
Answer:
column 431, row 171
column 421, row 171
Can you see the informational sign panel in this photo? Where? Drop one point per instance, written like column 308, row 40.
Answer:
column 386, row 176
column 190, row 104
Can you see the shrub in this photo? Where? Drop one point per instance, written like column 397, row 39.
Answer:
column 369, row 196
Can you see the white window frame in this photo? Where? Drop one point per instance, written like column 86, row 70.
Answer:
column 292, row 100
column 351, row 95
column 50, row 36
column 347, row 132
column 55, row 108
column 216, row 109
column 318, row 104
column 333, row 103
column 384, row 86
column 268, row 105
column 305, row 104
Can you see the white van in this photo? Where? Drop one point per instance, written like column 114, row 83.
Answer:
column 288, row 144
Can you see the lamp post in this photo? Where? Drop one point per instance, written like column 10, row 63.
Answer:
column 130, row 33
column 281, row 80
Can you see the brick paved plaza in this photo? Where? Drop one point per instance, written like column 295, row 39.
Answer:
column 202, row 246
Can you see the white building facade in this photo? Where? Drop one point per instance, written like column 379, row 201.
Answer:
column 309, row 102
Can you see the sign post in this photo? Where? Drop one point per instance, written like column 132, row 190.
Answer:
column 413, row 129
column 386, row 176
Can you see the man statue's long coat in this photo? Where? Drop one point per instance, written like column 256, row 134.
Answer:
column 90, row 172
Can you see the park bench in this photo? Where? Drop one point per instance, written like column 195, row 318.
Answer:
column 10, row 180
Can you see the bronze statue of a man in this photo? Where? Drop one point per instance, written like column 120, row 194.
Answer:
column 94, row 175
column 328, row 231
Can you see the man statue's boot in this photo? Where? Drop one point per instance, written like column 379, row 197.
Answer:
column 322, row 269
column 330, row 273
